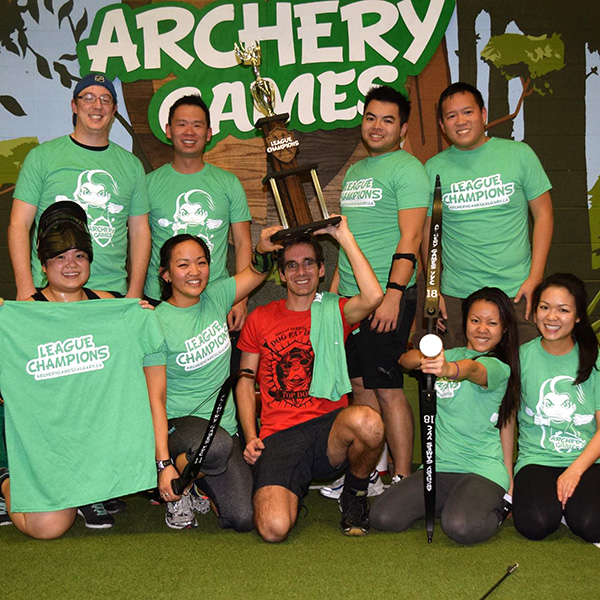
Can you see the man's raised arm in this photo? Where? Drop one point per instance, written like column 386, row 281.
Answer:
column 370, row 293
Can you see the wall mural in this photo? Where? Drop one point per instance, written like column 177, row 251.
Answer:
column 536, row 65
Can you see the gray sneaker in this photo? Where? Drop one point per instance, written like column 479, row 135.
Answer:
column 180, row 514
column 200, row 502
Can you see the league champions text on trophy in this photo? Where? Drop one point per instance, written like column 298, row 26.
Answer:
column 285, row 178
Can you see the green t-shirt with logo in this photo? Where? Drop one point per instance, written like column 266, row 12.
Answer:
column 110, row 185
column 557, row 419
column 373, row 192
column 197, row 352
column 202, row 204
column 485, row 230
column 78, row 422
column 466, row 437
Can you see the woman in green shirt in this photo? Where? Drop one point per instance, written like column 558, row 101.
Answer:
column 478, row 392
column 558, row 471
column 185, row 376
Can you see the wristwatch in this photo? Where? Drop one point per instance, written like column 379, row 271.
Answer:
column 161, row 465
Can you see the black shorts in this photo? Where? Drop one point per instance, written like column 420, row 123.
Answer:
column 373, row 355
column 292, row 458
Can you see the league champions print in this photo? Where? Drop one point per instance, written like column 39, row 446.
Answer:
column 67, row 357
column 289, row 367
column 210, row 343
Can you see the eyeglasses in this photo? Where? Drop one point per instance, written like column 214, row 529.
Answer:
column 292, row 265
column 90, row 98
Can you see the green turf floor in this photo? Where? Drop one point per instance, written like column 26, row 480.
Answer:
column 140, row 557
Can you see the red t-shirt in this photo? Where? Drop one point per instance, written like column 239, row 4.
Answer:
column 282, row 338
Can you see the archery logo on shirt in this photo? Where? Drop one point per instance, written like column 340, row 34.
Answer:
column 556, row 414
column 444, row 388
column 95, row 189
column 203, row 348
column 482, row 192
column 68, row 357
column 192, row 216
column 360, row 192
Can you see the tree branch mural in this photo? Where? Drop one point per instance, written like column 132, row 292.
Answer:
column 14, row 39
column 527, row 57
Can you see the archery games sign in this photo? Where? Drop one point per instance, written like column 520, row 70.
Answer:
column 322, row 55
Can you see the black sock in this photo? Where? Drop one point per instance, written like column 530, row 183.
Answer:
column 355, row 485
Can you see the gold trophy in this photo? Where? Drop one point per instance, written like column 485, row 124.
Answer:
column 285, row 178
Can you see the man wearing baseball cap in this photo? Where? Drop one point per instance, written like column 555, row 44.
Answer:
column 104, row 179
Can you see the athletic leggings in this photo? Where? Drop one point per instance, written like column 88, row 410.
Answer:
column 228, row 478
column 468, row 504
column 537, row 511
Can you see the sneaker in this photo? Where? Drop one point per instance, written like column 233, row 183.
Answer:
column 355, row 514
column 505, row 508
column 200, row 502
column 396, row 479
column 4, row 518
column 180, row 514
column 334, row 490
column 115, row 506
column 95, row 516
column 3, row 475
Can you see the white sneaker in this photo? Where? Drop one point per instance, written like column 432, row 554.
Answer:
column 180, row 514
column 334, row 490
column 396, row 479
column 200, row 502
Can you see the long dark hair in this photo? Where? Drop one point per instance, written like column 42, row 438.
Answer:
column 507, row 349
column 166, row 288
column 583, row 332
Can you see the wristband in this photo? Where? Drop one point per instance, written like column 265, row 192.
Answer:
column 262, row 263
column 395, row 286
column 161, row 465
column 457, row 371
column 411, row 257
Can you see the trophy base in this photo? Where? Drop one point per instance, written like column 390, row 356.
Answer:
column 285, row 234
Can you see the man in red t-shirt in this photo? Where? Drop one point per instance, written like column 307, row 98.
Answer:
column 307, row 429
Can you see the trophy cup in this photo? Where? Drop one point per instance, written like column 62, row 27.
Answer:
column 285, row 178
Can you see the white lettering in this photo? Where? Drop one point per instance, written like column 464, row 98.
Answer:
column 155, row 42
column 366, row 79
column 420, row 30
column 310, row 31
column 330, row 98
column 113, row 25
column 238, row 113
column 303, row 88
column 204, row 49
column 282, row 32
column 359, row 35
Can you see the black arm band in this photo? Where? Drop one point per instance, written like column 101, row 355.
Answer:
column 395, row 286
column 411, row 257
column 263, row 263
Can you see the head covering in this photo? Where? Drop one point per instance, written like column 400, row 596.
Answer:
column 62, row 227
column 95, row 79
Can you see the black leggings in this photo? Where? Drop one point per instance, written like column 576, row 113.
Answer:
column 537, row 511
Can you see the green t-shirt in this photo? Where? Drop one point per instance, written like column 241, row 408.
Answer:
column 373, row 192
column 202, row 204
column 557, row 418
column 485, row 230
column 197, row 352
column 78, row 422
column 466, row 437
column 110, row 185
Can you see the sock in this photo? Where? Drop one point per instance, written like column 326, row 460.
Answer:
column 357, row 486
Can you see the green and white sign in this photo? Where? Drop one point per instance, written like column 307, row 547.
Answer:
column 322, row 56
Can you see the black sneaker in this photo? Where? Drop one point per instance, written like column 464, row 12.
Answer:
column 4, row 518
column 504, row 509
column 95, row 516
column 115, row 506
column 355, row 513
column 3, row 475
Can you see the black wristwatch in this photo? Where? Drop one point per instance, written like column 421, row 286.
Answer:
column 161, row 465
